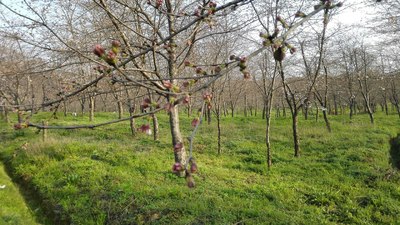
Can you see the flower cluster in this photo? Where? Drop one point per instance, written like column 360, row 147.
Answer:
column 207, row 99
column 111, row 56
column 242, row 65
column 211, row 8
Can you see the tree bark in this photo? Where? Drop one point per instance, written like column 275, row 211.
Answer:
column 180, row 156
column 91, row 107
column 208, row 116
column 327, row 123
column 120, row 109
column 295, row 136
column 219, row 128
column 132, row 124
column 155, row 127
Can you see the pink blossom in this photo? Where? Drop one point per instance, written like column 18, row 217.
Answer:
column 178, row 147
column 145, row 128
column 98, row 50
column 177, row 167
column 195, row 122
column 167, row 84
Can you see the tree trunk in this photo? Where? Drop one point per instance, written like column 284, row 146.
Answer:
column 44, row 99
column 371, row 114
column 296, row 140
column 351, row 106
column 189, row 109
column 335, row 105
column 208, row 116
column 65, row 108
column 180, row 156
column 82, row 108
column 91, row 107
column 327, row 123
column 277, row 112
column 264, row 111
column 267, row 141
column 155, row 127
column 398, row 109
column 306, row 111
column 219, row 129
column 120, row 109
column 132, row 120
column 256, row 108
column 386, row 107
column 7, row 118
column 245, row 105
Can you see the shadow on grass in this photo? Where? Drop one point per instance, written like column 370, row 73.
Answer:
column 43, row 212
column 395, row 152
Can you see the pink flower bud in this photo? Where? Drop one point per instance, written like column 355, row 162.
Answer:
column 199, row 70
column 177, row 167
column 145, row 128
column 18, row 126
column 178, row 147
column 195, row 122
column 98, row 50
column 193, row 166
column 186, row 99
column 167, row 84
column 189, row 180
column 116, row 44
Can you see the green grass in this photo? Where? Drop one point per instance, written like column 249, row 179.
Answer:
column 13, row 209
column 106, row 176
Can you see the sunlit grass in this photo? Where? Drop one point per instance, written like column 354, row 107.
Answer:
column 107, row 176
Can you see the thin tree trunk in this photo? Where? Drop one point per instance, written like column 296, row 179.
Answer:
column 219, row 128
column 327, row 123
column 180, row 156
column 7, row 117
column 65, row 108
column 295, row 136
column 225, row 109
column 189, row 109
column 256, row 108
column 155, row 127
column 120, row 109
column 91, row 107
column 335, row 105
column 264, row 111
column 386, row 107
column 351, row 106
column 371, row 115
column 44, row 99
column 82, row 108
column 245, row 105
column 306, row 111
column 132, row 120
column 267, row 141
column 208, row 115
column 398, row 109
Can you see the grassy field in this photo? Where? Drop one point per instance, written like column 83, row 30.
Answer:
column 106, row 176
column 13, row 210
